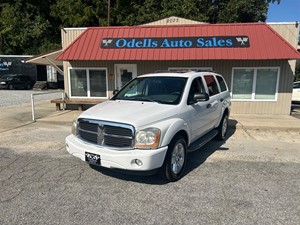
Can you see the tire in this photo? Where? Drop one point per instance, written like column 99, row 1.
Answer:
column 222, row 128
column 175, row 161
column 10, row 87
column 28, row 86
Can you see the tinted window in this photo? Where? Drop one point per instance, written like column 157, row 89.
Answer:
column 196, row 87
column 24, row 78
column 211, row 85
column 296, row 85
column 17, row 78
column 222, row 83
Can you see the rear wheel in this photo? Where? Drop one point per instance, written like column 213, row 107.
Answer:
column 222, row 128
column 175, row 161
column 28, row 86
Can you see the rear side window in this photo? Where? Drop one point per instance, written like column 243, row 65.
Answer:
column 211, row 85
column 222, row 83
column 17, row 79
column 23, row 78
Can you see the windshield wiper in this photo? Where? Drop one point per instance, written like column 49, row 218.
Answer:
column 145, row 99
column 135, row 98
column 139, row 99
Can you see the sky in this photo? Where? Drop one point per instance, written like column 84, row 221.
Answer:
column 286, row 11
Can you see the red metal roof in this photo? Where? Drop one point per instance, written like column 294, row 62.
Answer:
column 265, row 43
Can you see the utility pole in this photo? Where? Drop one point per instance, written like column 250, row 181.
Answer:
column 108, row 12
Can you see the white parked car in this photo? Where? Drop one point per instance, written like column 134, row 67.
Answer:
column 296, row 92
column 152, row 122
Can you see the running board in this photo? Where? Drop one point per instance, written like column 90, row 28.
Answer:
column 202, row 141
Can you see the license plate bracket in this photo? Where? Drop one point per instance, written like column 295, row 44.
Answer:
column 92, row 158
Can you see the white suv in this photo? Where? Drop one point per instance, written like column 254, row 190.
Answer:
column 296, row 92
column 152, row 122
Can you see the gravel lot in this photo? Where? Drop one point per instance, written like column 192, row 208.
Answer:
column 18, row 97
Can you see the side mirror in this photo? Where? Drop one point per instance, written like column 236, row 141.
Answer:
column 201, row 97
column 115, row 91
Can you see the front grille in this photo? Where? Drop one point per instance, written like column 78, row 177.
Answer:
column 106, row 133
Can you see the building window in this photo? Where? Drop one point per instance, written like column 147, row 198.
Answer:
column 78, row 82
column 88, row 82
column 255, row 83
column 266, row 84
column 98, row 83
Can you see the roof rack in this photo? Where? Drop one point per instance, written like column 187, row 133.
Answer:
column 182, row 71
column 171, row 71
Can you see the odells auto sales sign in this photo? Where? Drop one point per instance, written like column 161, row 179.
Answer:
column 177, row 42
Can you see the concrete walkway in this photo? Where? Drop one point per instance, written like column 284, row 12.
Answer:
column 261, row 122
column 16, row 116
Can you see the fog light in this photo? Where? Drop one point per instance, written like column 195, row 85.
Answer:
column 138, row 162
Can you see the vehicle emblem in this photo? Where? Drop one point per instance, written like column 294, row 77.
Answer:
column 100, row 135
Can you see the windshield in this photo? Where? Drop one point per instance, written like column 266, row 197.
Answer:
column 165, row 90
column 7, row 78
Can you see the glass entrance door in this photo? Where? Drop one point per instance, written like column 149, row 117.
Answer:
column 124, row 73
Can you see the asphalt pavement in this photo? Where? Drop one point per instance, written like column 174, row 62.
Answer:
column 252, row 177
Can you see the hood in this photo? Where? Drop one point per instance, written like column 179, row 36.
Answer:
column 136, row 113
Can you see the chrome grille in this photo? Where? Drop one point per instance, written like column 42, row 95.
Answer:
column 106, row 133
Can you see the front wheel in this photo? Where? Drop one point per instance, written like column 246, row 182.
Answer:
column 10, row 87
column 175, row 161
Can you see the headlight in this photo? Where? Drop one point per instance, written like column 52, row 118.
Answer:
column 147, row 139
column 74, row 127
column 2, row 82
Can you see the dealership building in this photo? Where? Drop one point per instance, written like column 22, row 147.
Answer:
column 256, row 59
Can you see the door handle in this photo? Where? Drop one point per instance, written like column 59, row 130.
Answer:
column 211, row 105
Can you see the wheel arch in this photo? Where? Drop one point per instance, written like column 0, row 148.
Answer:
column 177, row 128
column 10, row 84
column 183, row 134
column 224, row 112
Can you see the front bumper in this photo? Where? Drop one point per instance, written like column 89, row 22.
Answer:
column 3, row 86
column 115, row 159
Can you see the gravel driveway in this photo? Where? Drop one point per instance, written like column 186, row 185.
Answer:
column 18, row 97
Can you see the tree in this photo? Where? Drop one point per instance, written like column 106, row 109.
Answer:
column 24, row 28
column 129, row 13
column 80, row 13
column 230, row 11
column 33, row 26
